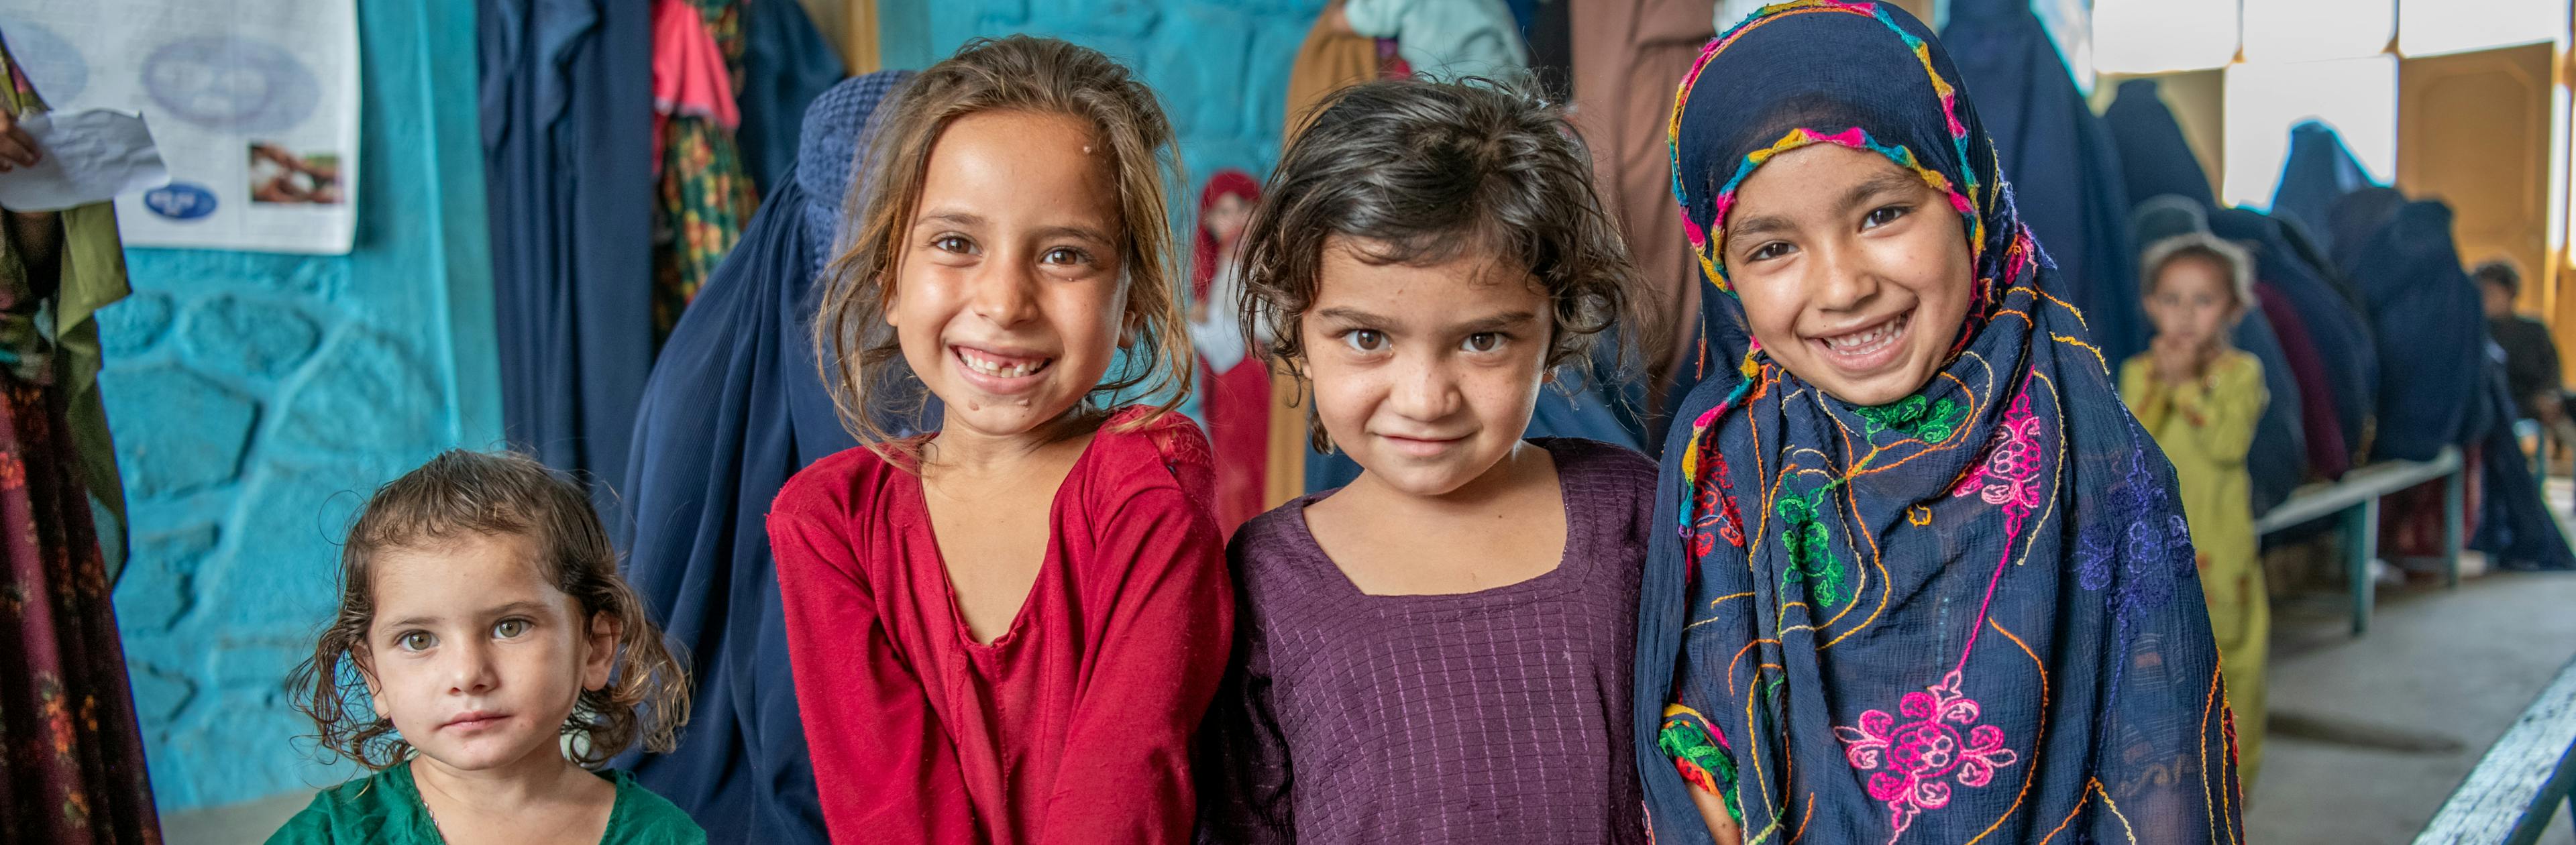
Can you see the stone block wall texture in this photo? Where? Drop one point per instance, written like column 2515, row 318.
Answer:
column 256, row 398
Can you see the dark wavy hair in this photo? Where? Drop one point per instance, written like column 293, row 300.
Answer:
column 464, row 493
column 862, row 360
column 1419, row 172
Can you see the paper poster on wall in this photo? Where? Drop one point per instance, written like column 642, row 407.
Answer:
column 254, row 104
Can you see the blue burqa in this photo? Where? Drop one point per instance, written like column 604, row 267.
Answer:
column 785, row 65
column 566, row 106
column 735, row 407
column 2155, row 159
column 2319, row 171
column 1969, row 614
column 2426, row 316
column 2066, row 172
column 2336, row 327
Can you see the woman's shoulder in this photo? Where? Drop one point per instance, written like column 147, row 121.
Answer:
column 644, row 818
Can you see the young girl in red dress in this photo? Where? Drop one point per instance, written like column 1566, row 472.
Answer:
column 1005, row 632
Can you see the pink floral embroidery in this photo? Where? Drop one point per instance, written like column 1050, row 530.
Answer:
column 2011, row 467
column 1919, row 757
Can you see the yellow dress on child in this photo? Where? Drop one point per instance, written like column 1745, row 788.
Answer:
column 2204, row 428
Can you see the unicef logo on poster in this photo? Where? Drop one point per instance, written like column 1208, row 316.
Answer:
column 180, row 201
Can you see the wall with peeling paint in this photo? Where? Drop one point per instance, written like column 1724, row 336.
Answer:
column 255, row 398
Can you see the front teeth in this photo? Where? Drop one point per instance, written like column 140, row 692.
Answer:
column 1867, row 341
column 996, row 369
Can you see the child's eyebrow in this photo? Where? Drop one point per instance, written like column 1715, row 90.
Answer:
column 1083, row 232
column 1496, row 322
column 959, row 218
column 1343, row 314
column 1881, row 184
column 513, row 607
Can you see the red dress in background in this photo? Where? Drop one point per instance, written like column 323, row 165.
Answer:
column 1235, row 399
column 1074, row 725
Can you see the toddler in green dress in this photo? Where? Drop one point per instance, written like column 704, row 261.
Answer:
column 501, row 658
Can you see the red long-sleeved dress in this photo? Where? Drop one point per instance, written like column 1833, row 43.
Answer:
column 1074, row 725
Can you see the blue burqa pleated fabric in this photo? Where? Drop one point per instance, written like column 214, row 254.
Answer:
column 2277, row 460
column 1968, row 615
column 566, row 106
column 2515, row 528
column 2155, row 159
column 735, row 407
column 2319, row 171
column 785, row 65
column 2066, row 172
column 2430, row 328
column 2338, row 329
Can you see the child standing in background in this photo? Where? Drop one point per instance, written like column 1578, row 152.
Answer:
column 2201, row 397
column 1234, row 384
column 1438, row 652
column 1005, row 632
column 481, row 612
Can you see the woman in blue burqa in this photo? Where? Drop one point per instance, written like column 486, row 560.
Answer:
column 1964, row 613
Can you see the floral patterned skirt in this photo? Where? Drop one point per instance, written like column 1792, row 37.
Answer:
column 71, row 756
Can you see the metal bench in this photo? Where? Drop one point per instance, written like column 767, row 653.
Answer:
column 2356, row 498
column 2509, row 798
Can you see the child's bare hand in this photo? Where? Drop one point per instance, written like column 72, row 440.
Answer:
column 17, row 148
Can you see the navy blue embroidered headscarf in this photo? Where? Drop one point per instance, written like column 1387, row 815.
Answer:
column 1969, row 614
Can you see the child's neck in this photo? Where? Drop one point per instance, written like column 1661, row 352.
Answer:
column 961, row 450
column 1506, row 526
column 543, row 777
column 1477, row 496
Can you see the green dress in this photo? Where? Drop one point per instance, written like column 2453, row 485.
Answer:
column 386, row 808
column 2205, row 428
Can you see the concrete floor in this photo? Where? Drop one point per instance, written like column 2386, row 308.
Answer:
column 2456, row 665
column 2437, row 664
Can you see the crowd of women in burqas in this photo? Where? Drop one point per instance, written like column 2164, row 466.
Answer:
column 1898, row 484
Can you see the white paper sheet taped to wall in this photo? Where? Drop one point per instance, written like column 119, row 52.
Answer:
column 88, row 156
column 255, row 106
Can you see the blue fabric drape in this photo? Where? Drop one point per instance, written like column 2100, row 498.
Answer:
column 566, row 106
column 1968, row 614
column 2319, row 171
column 735, row 407
column 785, row 65
column 2429, row 326
column 2277, row 462
column 2338, row 329
column 2515, row 528
column 2155, row 158
column 2066, row 173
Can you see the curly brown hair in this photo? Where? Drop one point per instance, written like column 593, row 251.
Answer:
column 1420, row 172
column 464, row 493
column 859, row 355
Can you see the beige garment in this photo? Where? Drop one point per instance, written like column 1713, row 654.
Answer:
column 1326, row 63
column 1629, row 57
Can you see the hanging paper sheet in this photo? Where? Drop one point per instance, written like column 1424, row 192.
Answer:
column 254, row 104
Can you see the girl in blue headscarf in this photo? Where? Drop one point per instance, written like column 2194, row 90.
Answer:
column 1923, row 578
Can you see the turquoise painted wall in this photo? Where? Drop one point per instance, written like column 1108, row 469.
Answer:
column 1221, row 66
column 255, row 398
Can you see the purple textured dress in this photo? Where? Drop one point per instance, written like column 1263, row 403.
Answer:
column 1498, row 716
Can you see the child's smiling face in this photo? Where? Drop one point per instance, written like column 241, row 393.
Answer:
column 1426, row 375
column 1854, row 274
column 1009, row 297
column 475, row 658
